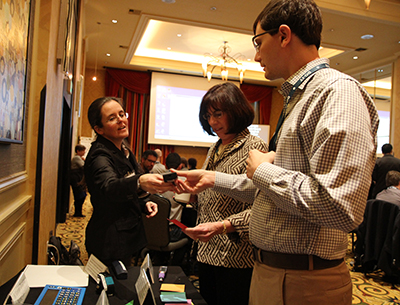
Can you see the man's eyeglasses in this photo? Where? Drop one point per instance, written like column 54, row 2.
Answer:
column 216, row 115
column 115, row 118
column 255, row 44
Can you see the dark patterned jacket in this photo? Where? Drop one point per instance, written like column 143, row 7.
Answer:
column 115, row 230
column 232, row 250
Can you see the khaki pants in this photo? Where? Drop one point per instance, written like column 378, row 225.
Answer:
column 273, row 286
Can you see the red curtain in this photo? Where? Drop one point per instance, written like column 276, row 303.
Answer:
column 260, row 94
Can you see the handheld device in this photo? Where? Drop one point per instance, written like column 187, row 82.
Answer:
column 161, row 273
column 53, row 294
column 170, row 177
column 106, row 283
column 119, row 270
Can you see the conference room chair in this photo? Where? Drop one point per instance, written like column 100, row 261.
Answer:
column 157, row 229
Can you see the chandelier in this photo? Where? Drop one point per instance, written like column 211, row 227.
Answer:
column 224, row 60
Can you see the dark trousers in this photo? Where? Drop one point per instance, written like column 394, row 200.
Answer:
column 79, row 199
column 224, row 286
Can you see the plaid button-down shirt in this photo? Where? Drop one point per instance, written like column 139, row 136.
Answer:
column 317, row 188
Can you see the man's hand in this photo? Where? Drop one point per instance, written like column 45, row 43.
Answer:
column 196, row 181
column 257, row 157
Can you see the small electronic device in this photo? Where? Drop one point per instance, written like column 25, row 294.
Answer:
column 161, row 273
column 170, row 177
column 106, row 283
column 53, row 294
column 119, row 269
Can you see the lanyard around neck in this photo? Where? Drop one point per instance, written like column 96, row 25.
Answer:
column 272, row 143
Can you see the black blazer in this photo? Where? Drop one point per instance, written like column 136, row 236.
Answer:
column 115, row 230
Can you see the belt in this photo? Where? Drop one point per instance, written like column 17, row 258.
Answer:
column 293, row 261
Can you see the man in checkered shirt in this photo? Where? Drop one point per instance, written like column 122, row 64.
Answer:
column 311, row 189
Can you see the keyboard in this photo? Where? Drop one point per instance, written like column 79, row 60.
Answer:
column 61, row 295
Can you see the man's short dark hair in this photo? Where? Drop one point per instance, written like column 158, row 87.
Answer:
column 303, row 17
column 387, row 148
column 173, row 160
column 148, row 153
column 192, row 162
column 79, row 147
column 392, row 178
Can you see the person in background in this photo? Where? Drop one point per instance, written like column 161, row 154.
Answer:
column 184, row 163
column 173, row 161
column 311, row 188
column 149, row 158
column 382, row 166
column 115, row 230
column 192, row 163
column 225, row 261
column 158, row 168
column 392, row 192
column 77, row 180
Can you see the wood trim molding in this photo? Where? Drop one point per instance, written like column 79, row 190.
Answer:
column 17, row 206
column 8, row 245
column 12, row 181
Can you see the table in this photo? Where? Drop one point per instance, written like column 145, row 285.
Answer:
column 124, row 289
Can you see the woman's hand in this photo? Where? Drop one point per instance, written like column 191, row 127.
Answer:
column 205, row 231
column 154, row 183
column 152, row 209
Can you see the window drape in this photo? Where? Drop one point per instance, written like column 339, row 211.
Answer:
column 261, row 94
column 134, row 88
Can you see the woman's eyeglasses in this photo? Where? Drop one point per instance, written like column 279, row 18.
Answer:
column 216, row 115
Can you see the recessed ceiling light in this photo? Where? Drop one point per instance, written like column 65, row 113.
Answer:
column 355, row 57
column 367, row 36
column 108, row 54
column 213, row 8
column 168, row 1
column 114, row 21
column 380, row 70
column 169, row 48
column 179, row 35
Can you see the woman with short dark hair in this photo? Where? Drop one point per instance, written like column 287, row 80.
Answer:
column 225, row 260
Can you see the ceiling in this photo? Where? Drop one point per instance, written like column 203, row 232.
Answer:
column 205, row 24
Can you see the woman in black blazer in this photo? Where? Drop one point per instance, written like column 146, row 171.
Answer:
column 115, row 230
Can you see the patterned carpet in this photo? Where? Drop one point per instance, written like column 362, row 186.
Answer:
column 366, row 290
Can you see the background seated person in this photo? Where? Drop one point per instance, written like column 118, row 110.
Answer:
column 392, row 192
column 149, row 158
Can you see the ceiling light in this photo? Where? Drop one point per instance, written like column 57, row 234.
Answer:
column 367, row 36
column 223, row 61
column 108, row 54
column 97, row 52
column 168, row 1
column 114, row 21
column 179, row 35
column 355, row 57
